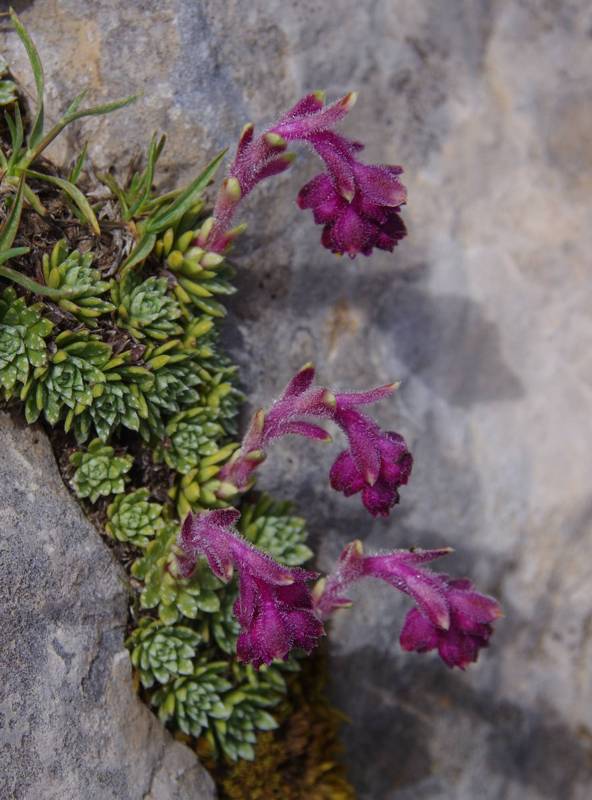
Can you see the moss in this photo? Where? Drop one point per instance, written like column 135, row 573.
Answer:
column 302, row 758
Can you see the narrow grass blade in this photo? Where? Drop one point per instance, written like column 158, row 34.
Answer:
column 74, row 194
column 37, row 129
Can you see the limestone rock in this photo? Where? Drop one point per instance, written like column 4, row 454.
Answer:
column 483, row 312
column 71, row 725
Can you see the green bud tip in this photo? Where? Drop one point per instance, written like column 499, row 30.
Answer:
column 247, row 130
column 175, row 259
column 370, row 477
column 348, row 101
column 257, row 456
column 226, row 490
column 329, row 399
column 320, row 95
column 238, row 230
column 443, row 621
column 232, row 189
column 275, row 140
column 358, row 546
column 212, row 260
column 205, row 229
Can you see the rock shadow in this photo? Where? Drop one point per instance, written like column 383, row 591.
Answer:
column 410, row 732
column 447, row 342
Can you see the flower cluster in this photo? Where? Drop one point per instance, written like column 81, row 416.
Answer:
column 376, row 462
column 357, row 204
column 274, row 606
column 449, row 616
column 277, row 611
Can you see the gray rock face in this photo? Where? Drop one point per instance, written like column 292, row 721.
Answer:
column 483, row 312
column 71, row 726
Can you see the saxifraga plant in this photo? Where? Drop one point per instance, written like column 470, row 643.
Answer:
column 129, row 357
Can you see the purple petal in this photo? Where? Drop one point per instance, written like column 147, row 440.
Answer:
column 338, row 163
column 391, row 233
column 379, row 499
column 309, row 104
column 301, row 127
column 315, row 191
column 396, row 460
column 345, row 476
column 300, row 382
column 200, row 536
column 245, row 140
column 349, row 232
column 363, row 437
column 352, row 399
column 274, row 166
column 248, row 599
column 306, row 429
column 223, row 517
column 418, row 633
column 429, row 596
column 379, row 185
column 457, row 650
column 472, row 610
column 306, row 629
column 186, row 564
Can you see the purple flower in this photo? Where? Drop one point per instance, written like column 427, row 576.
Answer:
column 469, row 628
column 274, row 606
column 376, row 464
column 274, row 620
column 358, row 204
column 449, row 615
column 357, row 224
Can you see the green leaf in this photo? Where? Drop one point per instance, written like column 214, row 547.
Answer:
column 168, row 614
column 141, row 251
column 34, row 152
column 10, row 227
column 34, row 201
column 74, row 193
column 265, row 722
column 78, row 164
column 116, row 190
column 35, row 61
column 154, row 152
column 75, row 104
column 96, row 111
column 208, row 601
column 168, row 216
column 7, row 93
column 6, row 255
column 15, row 127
